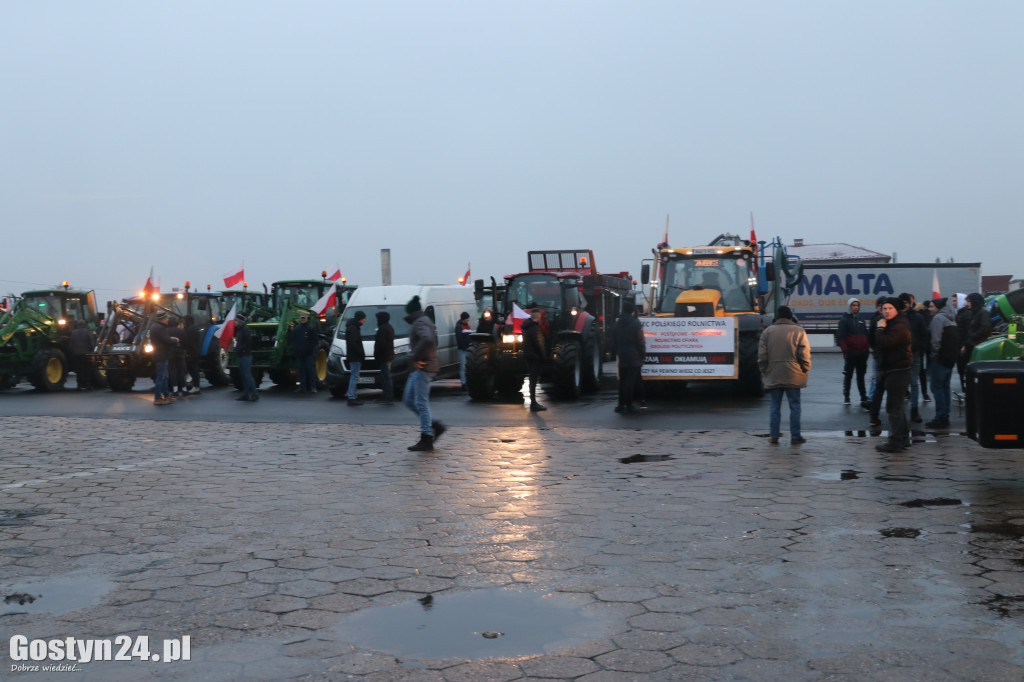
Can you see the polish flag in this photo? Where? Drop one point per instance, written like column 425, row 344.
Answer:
column 465, row 278
column 518, row 315
column 234, row 277
column 149, row 288
column 328, row 300
column 227, row 330
column 935, row 284
column 336, row 275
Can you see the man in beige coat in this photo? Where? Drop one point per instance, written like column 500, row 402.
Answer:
column 784, row 357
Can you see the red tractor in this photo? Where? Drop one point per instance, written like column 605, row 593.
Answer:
column 579, row 307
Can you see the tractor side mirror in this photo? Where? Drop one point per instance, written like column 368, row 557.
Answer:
column 478, row 289
column 645, row 273
column 769, row 272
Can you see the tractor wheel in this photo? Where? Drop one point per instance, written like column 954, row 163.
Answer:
column 49, row 370
column 120, row 379
column 480, row 371
column 320, row 364
column 751, row 381
column 282, row 377
column 590, row 370
column 567, row 369
column 8, row 381
column 216, row 367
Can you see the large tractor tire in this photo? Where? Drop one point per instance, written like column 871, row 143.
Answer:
column 49, row 370
column 750, row 380
column 216, row 367
column 591, row 366
column 320, row 364
column 283, row 377
column 120, row 380
column 567, row 369
column 480, row 374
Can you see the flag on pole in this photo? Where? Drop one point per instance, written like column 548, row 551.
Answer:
column 234, row 277
column 149, row 288
column 227, row 330
column 465, row 278
column 328, row 300
column 935, row 284
column 753, row 235
column 336, row 275
column 518, row 316
column 665, row 240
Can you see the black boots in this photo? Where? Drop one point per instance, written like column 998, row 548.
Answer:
column 425, row 444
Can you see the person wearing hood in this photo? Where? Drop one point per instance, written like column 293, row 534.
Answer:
column 942, row 357
column 980, row 326
column 896, row 357
column 384, row 353
column 424, row 365
column 354, row 354
column 784, row 358
column 852, row 338
column 305, row 340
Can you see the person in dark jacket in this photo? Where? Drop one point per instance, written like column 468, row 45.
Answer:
column 945, row 348
column 243, row 350
column 193, row 352
column 852, row 338
column 919, row 346
column 305, row 341
column 893, row 343
column 927, row 312
column 534, row 352
column 176, row 364
column 384, row 353
column 163, row 346
column 423, row 365
column 354, row 354
column 877, row 390
column 980, row 326
column 963, row 323
column 630, row 347
column 83, row 342
column 462, row 332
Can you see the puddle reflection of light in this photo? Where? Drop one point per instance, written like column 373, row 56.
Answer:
column 520, row 479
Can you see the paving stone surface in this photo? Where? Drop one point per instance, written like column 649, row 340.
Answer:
column 319, row 552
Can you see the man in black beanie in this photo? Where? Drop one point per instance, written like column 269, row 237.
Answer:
column 423, row 366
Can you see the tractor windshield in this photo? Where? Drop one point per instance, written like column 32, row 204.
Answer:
column 544, row 291
column 60, row 306
column 727, row 273
column 298, row 295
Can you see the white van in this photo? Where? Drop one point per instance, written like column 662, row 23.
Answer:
column 442, row 303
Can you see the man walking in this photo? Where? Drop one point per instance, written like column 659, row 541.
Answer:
column 945, row 348
column 784, row 357
column 243, row 350
column 893, row 347
column 305, row 340
column 355, row 354
column 424, row 365
column 384, row 353
column 630, row 347
column 852, row 338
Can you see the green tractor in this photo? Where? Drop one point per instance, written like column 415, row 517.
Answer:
column 35, row 335
column 271, row 328
column 1007, row 313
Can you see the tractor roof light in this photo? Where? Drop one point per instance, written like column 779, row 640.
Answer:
column 65, row 285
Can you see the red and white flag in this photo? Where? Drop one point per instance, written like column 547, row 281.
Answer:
column 518, row 316
column 465, row 278
column 234, row 277
column 328, row 300
column 336, row 275
column 935, row 284
column 149, row 288
column 227, row 330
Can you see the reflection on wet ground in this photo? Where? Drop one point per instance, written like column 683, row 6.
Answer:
column 56, row 595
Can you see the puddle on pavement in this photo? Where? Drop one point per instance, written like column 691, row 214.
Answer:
column 933, row 502
column 1004, row 528
column 909, row 533
column 636, row 459
column 60, row 594
column 843, row 475
column 19, row 517
column 478, row 624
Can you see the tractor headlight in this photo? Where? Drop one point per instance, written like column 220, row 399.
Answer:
column 574, row 312
column 512, row 338
column 148, row 348
column 62, row 322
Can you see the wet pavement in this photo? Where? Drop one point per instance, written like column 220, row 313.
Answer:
column 330, row 552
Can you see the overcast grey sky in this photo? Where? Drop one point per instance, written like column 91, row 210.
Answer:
column 191, row 136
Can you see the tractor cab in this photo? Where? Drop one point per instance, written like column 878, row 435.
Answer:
column 712, row 281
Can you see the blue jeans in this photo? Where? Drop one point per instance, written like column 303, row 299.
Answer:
column 939, row 375
column 417, row 398
column 874, row 378
column 775, row 411
column 245, row 369
column 462, row 366
column 915, row 380
column 353, row 380
column 160, row 387
column 387, row 386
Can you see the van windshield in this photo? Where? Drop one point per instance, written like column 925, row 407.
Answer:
column 369, row 328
